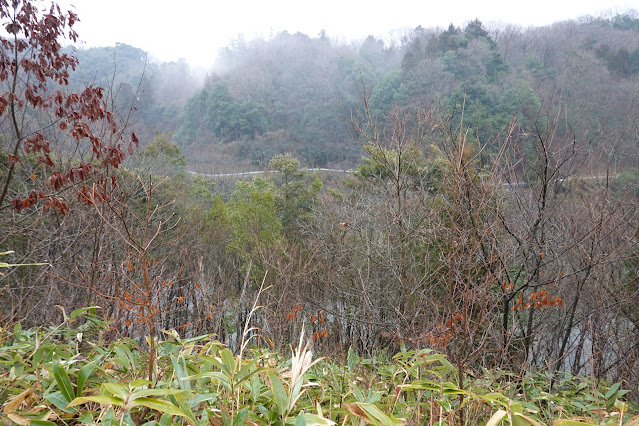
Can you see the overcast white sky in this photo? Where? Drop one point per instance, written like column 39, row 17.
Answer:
column 196, row 29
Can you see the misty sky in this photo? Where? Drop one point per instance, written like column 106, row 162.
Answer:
column 196, row 29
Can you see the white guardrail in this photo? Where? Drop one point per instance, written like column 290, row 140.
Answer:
column 264, row 172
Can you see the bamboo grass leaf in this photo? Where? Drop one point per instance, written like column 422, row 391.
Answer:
column 613, row 390
column 57, row 399
column 300, row 420
column 137, row 383
column 83, row 375
column 100, row 399
column 157, row 404
column 371, row 413
column 181, row 373
column 314, row 420
column 62, row 379
column 240, row 418
column 496, row 418
column 229, row 361
column 519, row 418
column 166, row 420
column 14, row 402
column 182, row 402
column 281, row 397
column 117, row 389
column 162, row 392
column 125, row 356
column 73, row 315
column 17, row 418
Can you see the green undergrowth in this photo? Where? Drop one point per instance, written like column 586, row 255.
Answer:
column 68, row 375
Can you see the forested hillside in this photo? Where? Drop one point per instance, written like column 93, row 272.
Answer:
column 295, row 93
column 490, row 213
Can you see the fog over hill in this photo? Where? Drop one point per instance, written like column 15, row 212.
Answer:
column 293, row 92
column 197, row 29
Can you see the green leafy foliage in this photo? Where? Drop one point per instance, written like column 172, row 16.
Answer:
column 45, row 376
column 295, row 195
column 252, row 218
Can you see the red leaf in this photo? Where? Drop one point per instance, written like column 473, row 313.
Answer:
column 135, row 139
column 45, row 67
column 17, row 204
column 20, row 205
column 56, row 180
column 85, row 196
column 56, row 203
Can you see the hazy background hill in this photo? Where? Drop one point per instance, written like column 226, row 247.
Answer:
column 296, row 92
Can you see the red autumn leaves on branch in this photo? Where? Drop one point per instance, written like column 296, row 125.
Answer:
column 34, row 74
